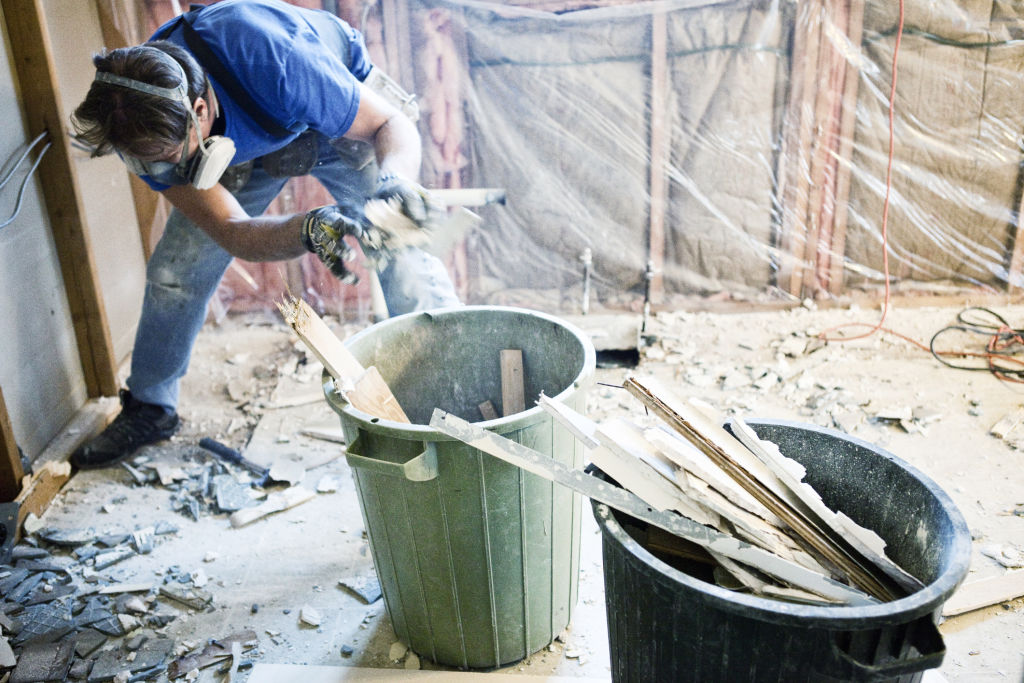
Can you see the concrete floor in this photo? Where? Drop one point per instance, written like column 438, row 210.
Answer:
column 262, row 575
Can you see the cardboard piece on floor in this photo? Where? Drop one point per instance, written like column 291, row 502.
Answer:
column 300, row 673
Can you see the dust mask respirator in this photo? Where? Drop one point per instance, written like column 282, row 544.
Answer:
column 204, row 168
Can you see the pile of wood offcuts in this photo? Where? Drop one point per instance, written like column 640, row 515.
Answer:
column 738, row 498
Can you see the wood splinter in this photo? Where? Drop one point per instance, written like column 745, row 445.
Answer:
column 363, row 388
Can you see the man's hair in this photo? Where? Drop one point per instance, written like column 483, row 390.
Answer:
column 115, row 118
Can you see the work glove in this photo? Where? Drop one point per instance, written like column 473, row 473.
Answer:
column 323, row 233
column 414, row 202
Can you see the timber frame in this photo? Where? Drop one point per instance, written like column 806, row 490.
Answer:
column 38, row 87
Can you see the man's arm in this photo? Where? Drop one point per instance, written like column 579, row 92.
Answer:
column 394, row 137
column 219, row 215
column 270, row 238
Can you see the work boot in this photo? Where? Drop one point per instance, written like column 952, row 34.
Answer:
column 138, row 424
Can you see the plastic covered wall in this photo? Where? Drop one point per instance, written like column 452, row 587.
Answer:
column 743, row 147
column 703, row 148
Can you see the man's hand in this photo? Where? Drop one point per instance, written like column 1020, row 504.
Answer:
column 323, row 233
column 415, row 202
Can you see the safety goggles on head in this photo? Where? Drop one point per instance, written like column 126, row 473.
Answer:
column 204, row 168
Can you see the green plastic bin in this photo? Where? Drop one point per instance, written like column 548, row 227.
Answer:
column 478, row 561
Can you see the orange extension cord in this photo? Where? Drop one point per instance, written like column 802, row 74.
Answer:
column 1004, row 335
column 885, row 207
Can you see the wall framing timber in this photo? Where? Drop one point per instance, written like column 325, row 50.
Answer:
column 36, row 77
column 11, row 471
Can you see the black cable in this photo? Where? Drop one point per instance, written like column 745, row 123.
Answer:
column 24, row 182
column 1003, row 342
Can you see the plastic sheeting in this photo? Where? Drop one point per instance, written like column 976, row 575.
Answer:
column 711, row 148
column 769, row 132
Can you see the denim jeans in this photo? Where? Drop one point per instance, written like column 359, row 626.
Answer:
column 187, row 266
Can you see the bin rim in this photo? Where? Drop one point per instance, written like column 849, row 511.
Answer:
column 500, row 425
column 924, row 601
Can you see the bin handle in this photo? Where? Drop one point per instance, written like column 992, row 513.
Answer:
column 423, row 467
column 924, row 636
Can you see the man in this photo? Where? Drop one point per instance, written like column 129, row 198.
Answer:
column 271, row 90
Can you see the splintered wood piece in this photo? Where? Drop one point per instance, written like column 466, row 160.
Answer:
column 39, row 489
column 619, row 498
column 513, row 395
column 837, row 526
column 696, row 463
column 728, row 453
column 364, row 388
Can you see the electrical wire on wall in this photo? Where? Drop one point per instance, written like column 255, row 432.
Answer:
column 24, row 183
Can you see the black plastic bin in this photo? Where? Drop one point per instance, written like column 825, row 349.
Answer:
column 666, row 625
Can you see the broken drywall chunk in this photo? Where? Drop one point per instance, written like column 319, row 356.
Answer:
column 1006, row 555
column 328, row 484
column 7, row 658
column 1007, row 424
column 230, row 495
column 287, row 471
column 792, row 346
column 367, row 587
column 142, row 539
column 67, row 538
column 193, row 597
column 111, row 557
column 894, row 413
column 309, row 616
column 276, row 502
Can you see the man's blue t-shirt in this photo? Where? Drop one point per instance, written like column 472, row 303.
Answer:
column 300, row 66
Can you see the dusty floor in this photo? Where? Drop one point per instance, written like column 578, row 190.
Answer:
column 249, row 377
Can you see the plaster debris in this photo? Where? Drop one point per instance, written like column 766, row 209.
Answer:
column 412, row 662
column 287, row 471
column 397, row 651
column 309, row 616
column 1007, row 424
column 328, row 484
column 7, row 658
column 1006, row 555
